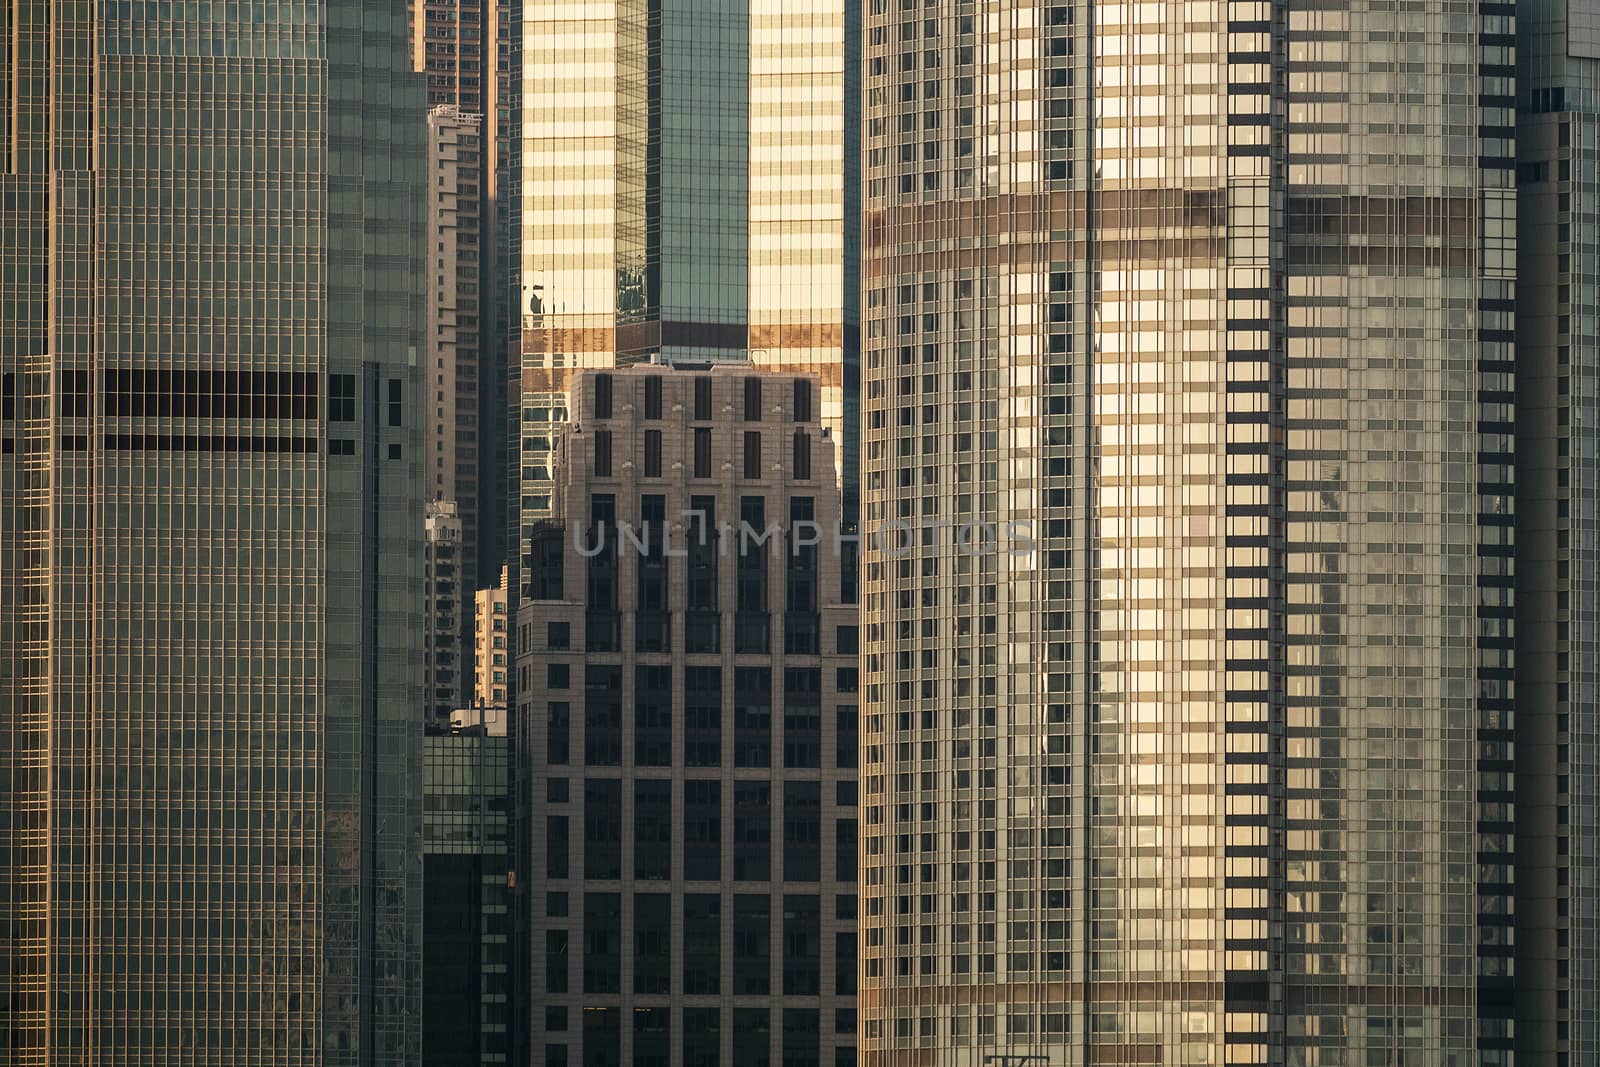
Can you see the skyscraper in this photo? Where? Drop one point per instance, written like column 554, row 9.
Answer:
column 688, row 687
column 688, row 191
column 443, row 656
column 467, row 51
column 210, row 535
column 1558, row 519
column 1208, row 758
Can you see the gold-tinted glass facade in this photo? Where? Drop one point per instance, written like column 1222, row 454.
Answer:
column 210, row 563
column 1208, row 760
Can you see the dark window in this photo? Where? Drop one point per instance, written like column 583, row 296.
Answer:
column 802, row 455
column 652, row 453
column 341, row 397
column 652, row 943
column 752, row 949
column 702, row 830
column 602, row 718
column 702, row 452
column 752, row 1037
column 847, row 721
column 702, row 1037
column 602, row 1037
column 847, row 640
column 555, row 961
column 340, row 446
column 752, row 454
column 802, row 946
column 555, row 835
column 602, row 828
column 752, row 400
column 558, row 636
column 652, row 621
column 802, row 621
column 602, row 453
column 751, row 622
column 602, row 943
column 555, row 1055
column 558, row 730
column 844, row 962
column 602, row 396
column 556, row 905
column 557, row 675
column 652, row 397
column 396, row 407
column 702, row 399
column 752, row 717
column 702, row 621
column 802, row 717
column 702, row 946
column 549, row 567
column 702, row 716
column 802, row 1037
column 555, row 1017
column 802, row 831
column 652, row 829
column 844, row 849
column 652, row 1034
column 802, row 400
column 652, row 716
column 752, row 831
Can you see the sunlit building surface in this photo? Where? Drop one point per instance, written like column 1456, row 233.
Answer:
column 1558, row 534
column 688, row 191
column 1208, row 762
column 210, row 535
column 689, row 722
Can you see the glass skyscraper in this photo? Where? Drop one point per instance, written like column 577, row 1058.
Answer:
column 688, row 193
column 210, row 534
column 1206, row 310
column 1558, row 523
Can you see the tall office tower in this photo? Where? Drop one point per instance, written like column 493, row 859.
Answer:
column 689, row 193
column 210, row 535
column 442, row 643
column 491, row 662
column 1208, row 761
column 1558, row 520
column 466, row 916
column 466, row 49
column 454, row 321
column 688, row 689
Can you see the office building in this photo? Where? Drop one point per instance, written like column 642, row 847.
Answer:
column 442, row 649
column 1558, row 518
column 1209, row 760
column 688, row 193
column 211, row 557
column 688, row 702
column 491, row 657
column 467, row 51
column 454, row 321
column 466, row 870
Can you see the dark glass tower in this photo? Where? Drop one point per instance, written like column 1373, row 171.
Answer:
column 1209, row 761
column 1558, row 533
column 210, row 535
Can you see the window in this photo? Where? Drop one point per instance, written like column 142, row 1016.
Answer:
column 752, row 953
column 341, row 397
column 602, row 720
column 602, row 454
column 752, row 455
column 702, row 947
column 802, row 831
column 752, row 717
column 702, row 716
column 652, row 829
column 702, row 830
column 396, row 407
column 602, row 828
column 802, row 400
column 802, row 455
column 652, row 453
column 752, row 831
column 558, row 729
column 558, row 635
column 702, row 398
column 555, row 840
column 652, row 716
column 602, row 945
column 802, row 946
column 602, row 396
column 652, row 397
column 752, row 400
column 702, row 452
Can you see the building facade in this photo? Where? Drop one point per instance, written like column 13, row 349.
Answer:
column 467, row 51
column 455, row 320
column 688, row 193
column 442, row 571
column 688, row 711
column 1558, row 522
column 210, row 536
column 467, row 990
column 491, row 655
column 1208, row 760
